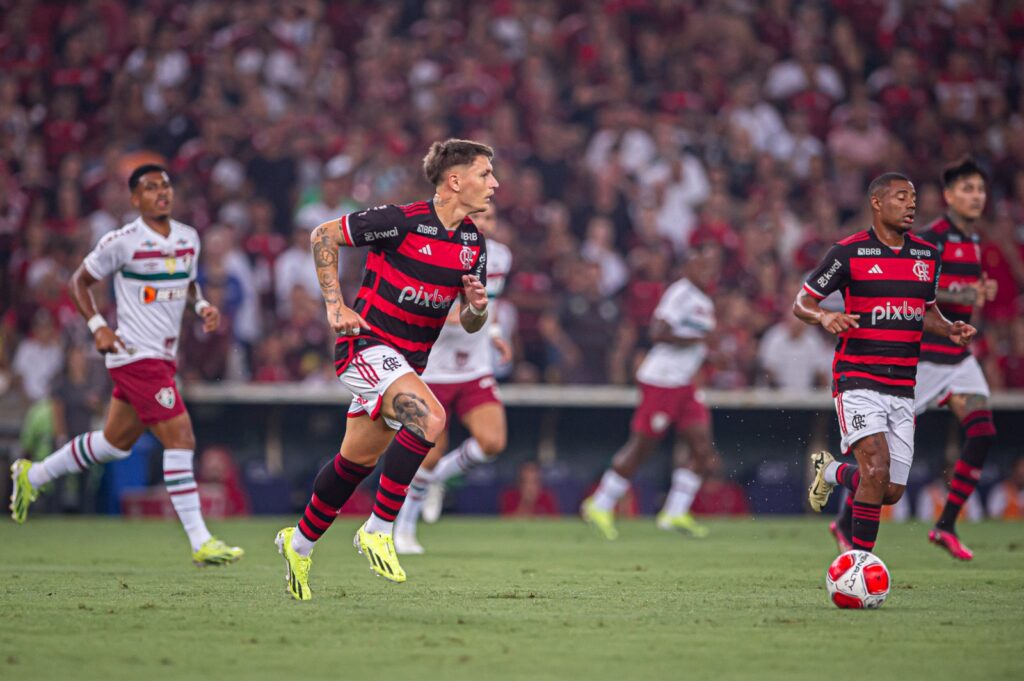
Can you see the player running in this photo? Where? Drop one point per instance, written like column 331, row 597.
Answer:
column 681, row 323
column 949, row 372
column 888, row 279
column 460, row 373
column 422, row 257
column 153, row 261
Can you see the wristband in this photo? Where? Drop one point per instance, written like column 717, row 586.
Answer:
column 96, row 322
column 475, row 311
column 200, row 306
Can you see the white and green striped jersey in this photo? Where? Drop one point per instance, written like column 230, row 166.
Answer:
column 151, row 277
column 689, row 313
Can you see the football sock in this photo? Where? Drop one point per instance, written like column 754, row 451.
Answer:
column 685, row 484
column 77, row 455
column 611, row 489
column 848, row 476
column 181, row 485
column 980, row 436
column 402, row 459
column 334, row 484
column 844, row 521
column 459, row 460
column 410, row 513
column 866, row 518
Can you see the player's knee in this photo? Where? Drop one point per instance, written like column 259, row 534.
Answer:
column 893, row 494
column 492, row 444
column 434, row 423
column 876, row 473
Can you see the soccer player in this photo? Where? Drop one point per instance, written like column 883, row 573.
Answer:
column 460, row 373
column 888, row 279
column 153, row 261
column 422, row 257
column 949, row 372
column 682, row 321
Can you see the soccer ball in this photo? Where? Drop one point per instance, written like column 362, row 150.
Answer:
column 857, row 579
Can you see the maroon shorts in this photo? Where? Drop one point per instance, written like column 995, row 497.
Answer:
column 458, row 399
column 148, row 385
column 660, row 408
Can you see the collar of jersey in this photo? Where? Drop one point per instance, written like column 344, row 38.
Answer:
column 448, row 236
column 903, row 248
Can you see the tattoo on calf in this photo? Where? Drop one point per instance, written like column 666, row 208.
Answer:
column 412, row 412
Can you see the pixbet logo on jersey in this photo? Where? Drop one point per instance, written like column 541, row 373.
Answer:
column 421, row 297
column 892, row 312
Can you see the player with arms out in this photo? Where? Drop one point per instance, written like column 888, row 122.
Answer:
column 460, row 373
column 949, row 372
column 682, row 321
column 888, row 278
column 423, row 256
column 153, row 261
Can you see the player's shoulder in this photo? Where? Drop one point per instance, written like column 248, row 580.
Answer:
column 855, row 238
column 936, row 232
column 184, row 231
column 125, row 234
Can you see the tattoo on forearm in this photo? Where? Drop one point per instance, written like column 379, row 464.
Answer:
column 325, row 258
column 412, row 412
column 965, row 296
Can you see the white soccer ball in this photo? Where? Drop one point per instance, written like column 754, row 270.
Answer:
column 857, row 579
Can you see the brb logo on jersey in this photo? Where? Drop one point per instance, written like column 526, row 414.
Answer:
column 421, row 297
column 921, row 270
column 892, row 312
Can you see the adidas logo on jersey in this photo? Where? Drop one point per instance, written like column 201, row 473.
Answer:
column 875, row 269
column 426, row 250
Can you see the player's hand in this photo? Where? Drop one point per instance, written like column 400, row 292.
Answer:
column 962, row 333
column 211, row 318
column 990, row 287
column 838, row 322
column 503, row 348
column 107, row 341
column 474, row 291
column 344, row 320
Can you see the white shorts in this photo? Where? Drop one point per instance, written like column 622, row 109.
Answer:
column 369, row 375
column 936, row 382
column 866, row 412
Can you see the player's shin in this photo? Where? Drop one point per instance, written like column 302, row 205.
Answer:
column 980, row 431
column 410, row 513
column 402, row 459
column 333, row 486
column 180, row 481
column 77, row 456
column 460, row 460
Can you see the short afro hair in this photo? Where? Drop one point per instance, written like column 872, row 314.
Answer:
column 136, row 176
column 880, row 184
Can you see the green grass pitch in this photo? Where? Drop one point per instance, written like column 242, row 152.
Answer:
column 110, row 599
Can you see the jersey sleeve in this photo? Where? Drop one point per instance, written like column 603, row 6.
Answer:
column 194, row 263
column 686, row 314
column 498, row 266
column 382, row 226
column 108, row 256
column 480, row 268
column 831, row 275
column 932, row 237
column 937, row 267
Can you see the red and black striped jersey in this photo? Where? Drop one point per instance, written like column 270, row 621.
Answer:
column 961, row 267
column 413, row 276
column 890, row 289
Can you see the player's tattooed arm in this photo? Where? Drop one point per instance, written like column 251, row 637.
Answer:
column 412, row 412
column 326, row 240
column 965, row 296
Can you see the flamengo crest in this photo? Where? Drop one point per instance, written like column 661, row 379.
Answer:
column 921, row 270
column 466, row 257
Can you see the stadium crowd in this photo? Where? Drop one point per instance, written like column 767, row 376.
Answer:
column 626, row 132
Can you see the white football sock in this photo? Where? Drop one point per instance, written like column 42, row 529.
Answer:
column 375, row 524
column 410, row 513
column 830, row 473
column 181, row 485
column 78, row 455
column 611, row 489
column 300, row 544
column 685, row 484
column 459, row 460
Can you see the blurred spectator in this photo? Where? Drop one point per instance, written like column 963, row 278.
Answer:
column 529, row 498
column 217, row 469
column 718, row 495
column 1006, row 500
column 295, row 268
column 39, row 358
column 794, row 356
